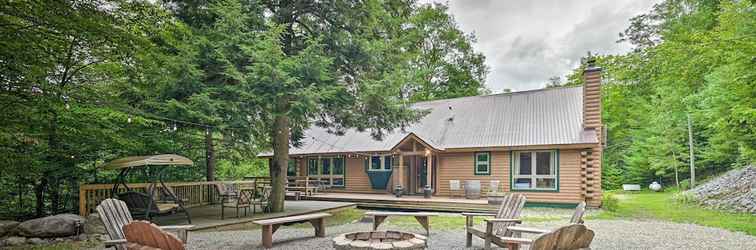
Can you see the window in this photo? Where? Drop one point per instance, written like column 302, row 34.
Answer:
column 292, row 169
column 535, row 170
column 380, row 163
column 483, row 163
column 328, row 170
column 312, row 166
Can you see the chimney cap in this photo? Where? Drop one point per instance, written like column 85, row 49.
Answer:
column 590, row 63
column 592, row 69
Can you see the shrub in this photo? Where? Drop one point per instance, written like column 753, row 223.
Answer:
column 684, row 198
column 609, row 202
column 685, row 184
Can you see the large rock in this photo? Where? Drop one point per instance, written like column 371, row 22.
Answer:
column 734, row 190
column 15, row 241
column 52, row 226
column 94, row 225
column 7, row 227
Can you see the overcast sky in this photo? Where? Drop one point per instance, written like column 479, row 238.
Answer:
column 527, row 42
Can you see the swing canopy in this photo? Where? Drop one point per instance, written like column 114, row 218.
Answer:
column 148, row 160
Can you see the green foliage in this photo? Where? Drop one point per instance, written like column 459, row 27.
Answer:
column 691, row 58
column 228, row 170
column 609, row 202
column 84, row 84
column 663, row 206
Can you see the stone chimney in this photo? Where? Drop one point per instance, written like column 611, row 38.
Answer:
column 591, row 157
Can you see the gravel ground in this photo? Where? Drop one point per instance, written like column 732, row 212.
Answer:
column 610, row 234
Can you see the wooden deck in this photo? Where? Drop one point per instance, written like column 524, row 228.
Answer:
column 407, row 202
column 208, row 217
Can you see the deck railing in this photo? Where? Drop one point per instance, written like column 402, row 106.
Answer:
column 195, row 193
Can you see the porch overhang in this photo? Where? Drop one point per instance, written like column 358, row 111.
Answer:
column 412, row 137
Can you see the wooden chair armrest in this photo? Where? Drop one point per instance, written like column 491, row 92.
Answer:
column 478, row 214
column 527, row 230
column 503, row 220
column 521, row 241
column 112, row 243
column 176, row 227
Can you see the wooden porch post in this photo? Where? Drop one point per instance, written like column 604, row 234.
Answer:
column 429, row 176
column 401, row 170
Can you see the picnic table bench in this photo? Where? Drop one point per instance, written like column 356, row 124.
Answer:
column 270, row 226
column 421, row 217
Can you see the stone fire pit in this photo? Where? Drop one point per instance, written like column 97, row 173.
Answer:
column 379, row 240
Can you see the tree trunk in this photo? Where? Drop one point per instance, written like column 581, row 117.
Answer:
column 39, row 194
column 692, row 157
column 209, row 155
column 54, row 191
column 677, row 176
column 280, row 161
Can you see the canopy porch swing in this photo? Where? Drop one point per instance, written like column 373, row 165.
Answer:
column 158, row 200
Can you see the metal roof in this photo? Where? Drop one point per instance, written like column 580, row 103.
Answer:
column 535, row 117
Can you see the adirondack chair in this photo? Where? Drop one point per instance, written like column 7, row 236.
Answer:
column 143, row 235
column 577, row 218
column 115, row 214
column 144, row 206
column 507, row 215
column 570, row 237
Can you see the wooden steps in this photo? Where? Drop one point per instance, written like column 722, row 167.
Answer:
column 412, row 205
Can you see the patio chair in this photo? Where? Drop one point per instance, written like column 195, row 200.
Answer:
column 144, row 206
column 577, row 218
column 493, row 186
column 454, row 186
column 575, row 236
column 262, row 200
column 507, row 215
column 225, row 191
column 143, row 235
column 115, row 214
column 243, row 200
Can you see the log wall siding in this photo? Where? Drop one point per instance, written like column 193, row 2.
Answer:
column 356, row 178
column 459, row 166
column 570, row 181
column 591, row 158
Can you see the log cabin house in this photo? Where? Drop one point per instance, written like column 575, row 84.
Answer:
column 545, row 143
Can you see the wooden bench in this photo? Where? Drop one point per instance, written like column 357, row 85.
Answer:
column 421, row 217
column 308, row 191
column 270, row 226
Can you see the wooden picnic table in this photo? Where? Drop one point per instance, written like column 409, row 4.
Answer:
column 421, row 217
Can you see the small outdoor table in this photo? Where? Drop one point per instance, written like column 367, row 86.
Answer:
column 421, row 217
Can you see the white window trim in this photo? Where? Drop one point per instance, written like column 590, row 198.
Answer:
column 488, row 164
column 331, row 176
column 534, row 176
column 382, row 165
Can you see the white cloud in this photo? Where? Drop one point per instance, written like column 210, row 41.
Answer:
column 526, row 42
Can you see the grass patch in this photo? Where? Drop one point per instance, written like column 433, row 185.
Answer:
column 665, row 206
column 57, row 246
